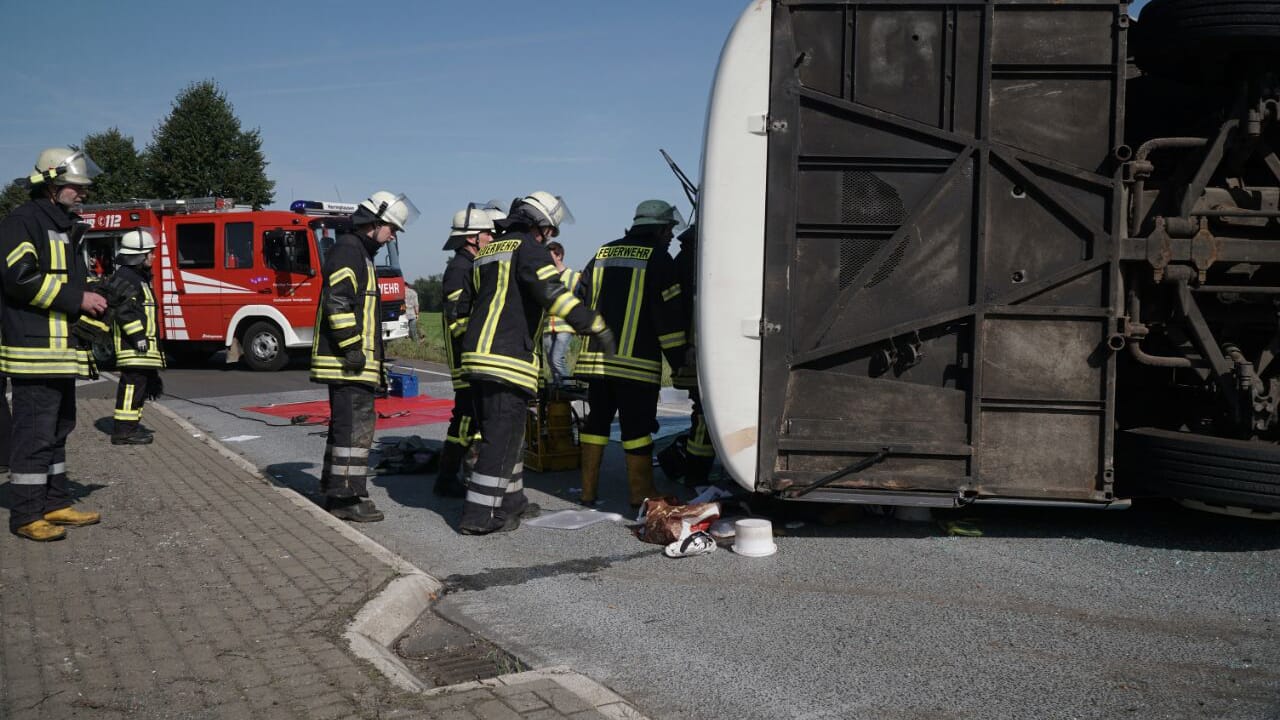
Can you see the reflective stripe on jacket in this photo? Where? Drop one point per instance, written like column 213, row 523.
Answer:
column 458, row 289
column 634, row 284
column 348, row 315
column 515, row 280
column 554, row 324
column 137, row 321
column 44, row 279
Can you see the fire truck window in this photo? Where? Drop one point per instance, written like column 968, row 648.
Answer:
column 195, row 245
column 287, row 250
column 239, row 245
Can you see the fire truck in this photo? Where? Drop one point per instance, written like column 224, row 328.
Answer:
column 228, row 276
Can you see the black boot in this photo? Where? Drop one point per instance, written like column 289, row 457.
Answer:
column 353, row 509
column 133, row 438
column 448, row 482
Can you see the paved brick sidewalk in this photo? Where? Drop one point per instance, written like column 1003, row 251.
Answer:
column 205, row 593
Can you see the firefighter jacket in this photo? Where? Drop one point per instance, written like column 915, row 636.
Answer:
column 515, row 280
column 687, row 267
column 458, row 289
column 135, row 320
column 634, row 284
column 347, row 318
column 554, row 324
column 44, row 280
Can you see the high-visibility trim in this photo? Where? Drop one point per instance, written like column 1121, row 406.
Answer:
column 25, row 247
column 586, row 439
column 631, row 324
column 88, row 320
column 58, row 469
column 620, row 360
column 339, row 321
column 354, row 339
column 546, row 272
column 28, row 478
column 516, row 485
column 499, row 300
column 489, row 501
column 458, row 327
column 672, row 340
column 464, row 435
column 349, row 452
column 699, row 450
column 488, row 480
column 499, row 360
column 517, row 372
column 563, row 305
column 126, row 415
column 637, row 443
column 630, row 252
column 131, row 328
column 453, row 296
column 342, row 274
column 671, row 292
column 48, row 291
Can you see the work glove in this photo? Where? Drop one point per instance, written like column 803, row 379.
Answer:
column 142, row 345
column 353, row 361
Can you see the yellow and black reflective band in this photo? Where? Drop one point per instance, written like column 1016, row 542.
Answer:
column 458, row 327
column 453, row 296
column 48, row 291
column 353, row 340
column 339, row 321
column 23, row 248
column 132, row 327
column 496, row 305
column 637, row 443
column 546, row 272
column 563, row 305
column 671, row 292
column 95, row 322
column 631, row 323
column 593, row 439
column 672, row 340
column 342, row 274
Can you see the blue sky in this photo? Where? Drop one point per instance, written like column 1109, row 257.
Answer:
column 447, row 102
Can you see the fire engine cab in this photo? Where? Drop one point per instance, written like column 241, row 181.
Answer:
column 231, row 277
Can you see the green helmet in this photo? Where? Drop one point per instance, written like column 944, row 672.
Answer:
column 657, row 212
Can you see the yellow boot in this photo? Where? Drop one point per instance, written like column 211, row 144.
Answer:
column 592, row 456
column 72, row 517
column 41, row 531
column 640, row 477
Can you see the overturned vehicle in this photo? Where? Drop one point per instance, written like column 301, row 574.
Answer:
column 1010, row 252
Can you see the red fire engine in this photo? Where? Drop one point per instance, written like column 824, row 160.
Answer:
column 237, row 278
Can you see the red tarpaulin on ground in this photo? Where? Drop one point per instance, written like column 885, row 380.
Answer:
column 393, row 412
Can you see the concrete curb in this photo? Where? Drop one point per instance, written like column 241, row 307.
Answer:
column 374, row 629
column 384, row 618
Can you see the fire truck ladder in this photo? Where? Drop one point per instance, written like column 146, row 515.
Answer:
column 174, row 205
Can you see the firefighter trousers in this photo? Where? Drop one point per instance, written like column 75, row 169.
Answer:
column 495, row 490
column 44, row 414
column 701, row 453
column 346, row 453
column 461, row 432
column 635, row 404
column 131, row 394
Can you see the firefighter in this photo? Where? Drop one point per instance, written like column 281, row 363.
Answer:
column 136, row 339
column 515, row 281
column 347, row 351
column 557, row 335
column 634, row 284
column 44, row 281
column 699, row 452
column 471, row 231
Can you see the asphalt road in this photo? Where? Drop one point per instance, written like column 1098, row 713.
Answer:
column 1154, row 612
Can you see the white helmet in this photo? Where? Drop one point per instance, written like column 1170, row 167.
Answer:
column 134, row 245
column 387, row 207
column 64, row 166
column 471, row 220
column 550, row 209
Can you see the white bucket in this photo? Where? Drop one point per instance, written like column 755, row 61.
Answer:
column 754, row 538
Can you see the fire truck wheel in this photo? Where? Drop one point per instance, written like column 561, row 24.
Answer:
column 1178, row 38
column 1211, row 470
column 263, row 346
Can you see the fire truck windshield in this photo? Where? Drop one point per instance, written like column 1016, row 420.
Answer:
column 327, row 230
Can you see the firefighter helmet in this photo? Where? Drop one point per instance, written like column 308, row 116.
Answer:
column 134, row 246
column 64, row 166
column 657, row 212
column 467, row 222
column 396, row 210
column 548, row 210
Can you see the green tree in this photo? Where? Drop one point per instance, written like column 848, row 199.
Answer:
column 13, row 196
column 122, row 175
column 429, row 293
column 199, row 150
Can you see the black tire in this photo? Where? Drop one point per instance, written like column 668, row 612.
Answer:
column 1176, row 38
column 263, row 347
column 1218, row 471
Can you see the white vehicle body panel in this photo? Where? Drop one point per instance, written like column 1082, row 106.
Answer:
column 731, row 216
